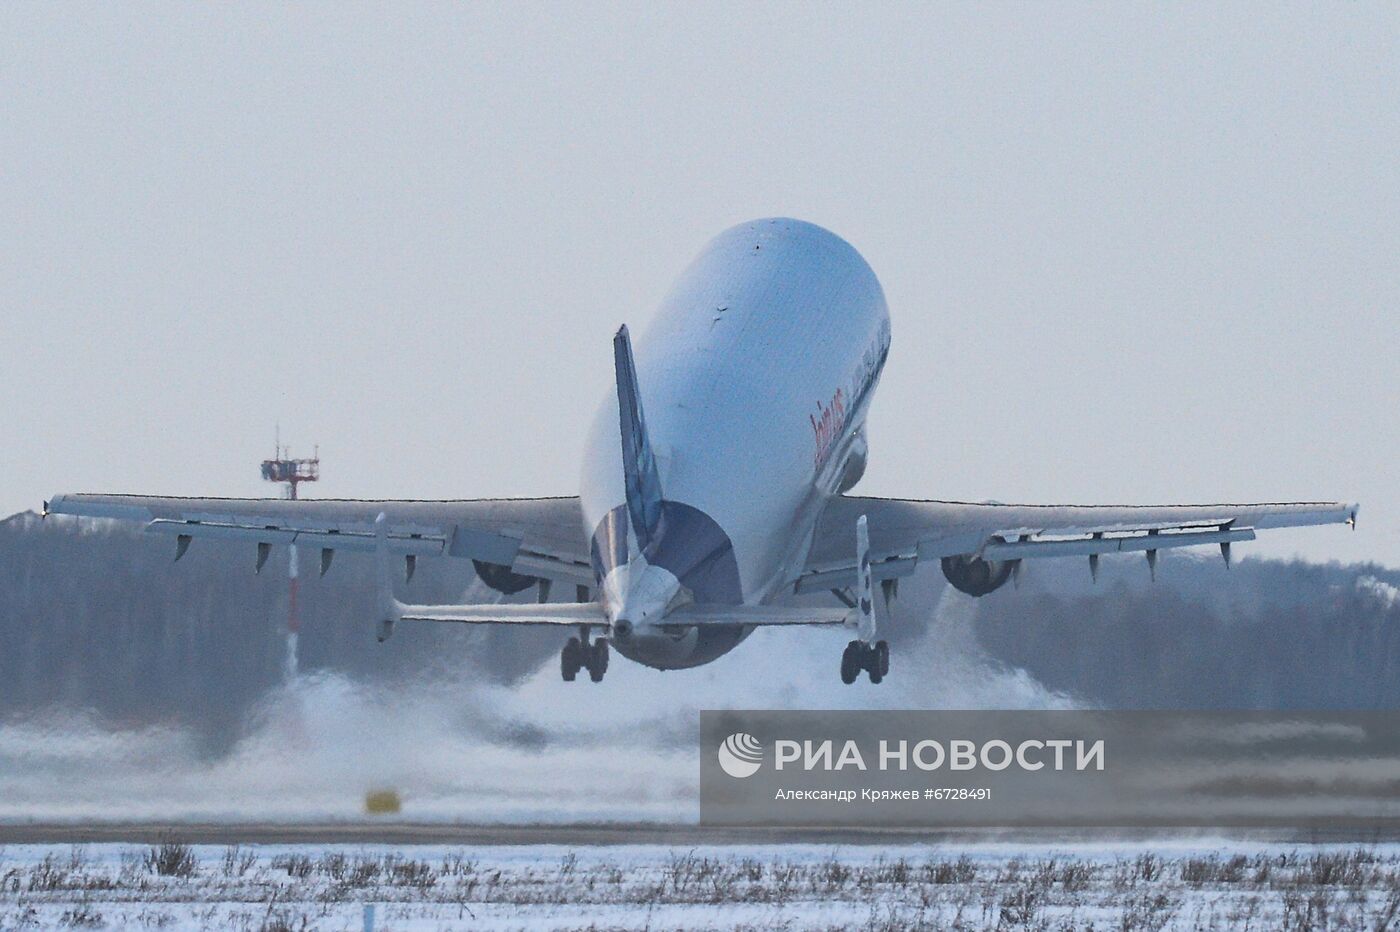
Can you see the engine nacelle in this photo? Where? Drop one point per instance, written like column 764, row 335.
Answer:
column 977, row 576
column 501, row 579
column 854, row 466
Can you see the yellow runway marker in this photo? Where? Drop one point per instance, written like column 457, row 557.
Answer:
column 382, row 802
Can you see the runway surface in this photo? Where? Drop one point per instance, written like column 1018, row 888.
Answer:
column 407, row 833
column 586, row 835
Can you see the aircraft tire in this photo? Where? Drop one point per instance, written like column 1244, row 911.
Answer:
column 882, row 657
column 598, row 660
column 850, row 663
column 571, row 659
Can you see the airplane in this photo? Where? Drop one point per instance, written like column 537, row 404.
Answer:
column 714, row 485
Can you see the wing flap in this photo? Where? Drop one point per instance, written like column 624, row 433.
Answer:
column 1098, row 543
column 399, row 543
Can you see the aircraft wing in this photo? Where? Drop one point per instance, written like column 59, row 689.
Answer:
column 905, row 532
column 540, row 537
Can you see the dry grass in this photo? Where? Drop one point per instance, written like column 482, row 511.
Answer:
column 239, row 887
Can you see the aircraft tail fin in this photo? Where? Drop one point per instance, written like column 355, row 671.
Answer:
column 643, row 481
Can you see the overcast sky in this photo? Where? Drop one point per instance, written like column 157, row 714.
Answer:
column 1132, row 253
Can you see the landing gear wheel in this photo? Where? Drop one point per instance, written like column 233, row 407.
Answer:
column 874, row 659
column 598, row 660
column 851, row 663
column 571, row 659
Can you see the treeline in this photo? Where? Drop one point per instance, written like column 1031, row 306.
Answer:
column 1267, row 634
column 94, row 615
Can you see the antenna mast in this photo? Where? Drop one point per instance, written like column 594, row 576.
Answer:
column 291, row 473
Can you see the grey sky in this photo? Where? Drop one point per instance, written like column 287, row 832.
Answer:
column 1132, row 253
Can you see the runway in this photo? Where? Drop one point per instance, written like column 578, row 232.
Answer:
column 409, row 833
column 614, row 834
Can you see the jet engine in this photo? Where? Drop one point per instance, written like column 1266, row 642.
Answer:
column 501, row 579
column 977, row 576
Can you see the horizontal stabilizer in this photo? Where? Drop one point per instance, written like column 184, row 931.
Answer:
column 568, row 614
column 758, row 615
column 391, row 610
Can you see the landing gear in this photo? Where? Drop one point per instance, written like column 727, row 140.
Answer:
column 579, row 654
column 874, row 659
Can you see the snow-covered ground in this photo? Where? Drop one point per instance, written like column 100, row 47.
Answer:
column 1189, row 885
column 464, row 750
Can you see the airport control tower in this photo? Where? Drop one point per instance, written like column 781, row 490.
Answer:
column 291, row 473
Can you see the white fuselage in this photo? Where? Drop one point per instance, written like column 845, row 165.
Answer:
column 755, row 377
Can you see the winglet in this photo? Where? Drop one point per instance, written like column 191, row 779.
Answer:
column 387, row 606
column 643, row 482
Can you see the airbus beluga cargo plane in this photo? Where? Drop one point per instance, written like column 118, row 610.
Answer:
column 715, row 484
